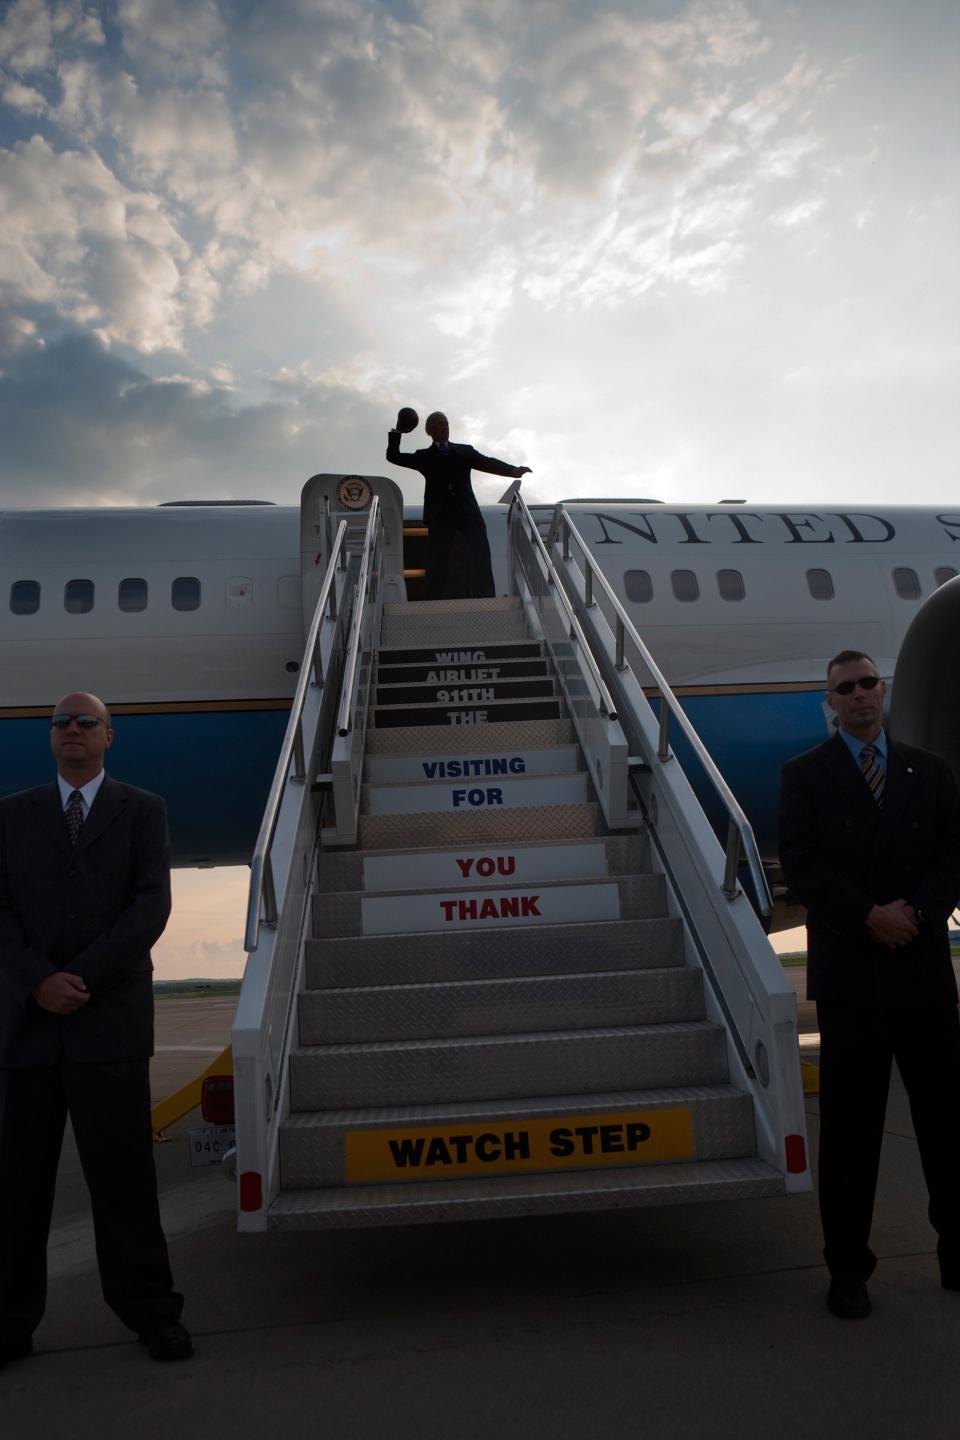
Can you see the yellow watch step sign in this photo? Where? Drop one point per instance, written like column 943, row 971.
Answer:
column 517, row 1145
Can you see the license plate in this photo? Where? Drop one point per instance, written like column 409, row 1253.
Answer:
column 209, row 1143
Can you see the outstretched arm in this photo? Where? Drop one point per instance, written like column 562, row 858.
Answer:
column 497, row 467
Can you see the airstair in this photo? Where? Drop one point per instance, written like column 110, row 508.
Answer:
column 499, row 963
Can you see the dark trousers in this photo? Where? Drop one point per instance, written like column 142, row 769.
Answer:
column 440, row 538
column 858, row 1046
column 109, row 1106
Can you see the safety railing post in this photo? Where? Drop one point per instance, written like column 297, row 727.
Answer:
column 269, row 892
column 663, row 746
column 730, row 887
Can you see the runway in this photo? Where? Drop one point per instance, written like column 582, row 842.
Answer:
column 683, row 1322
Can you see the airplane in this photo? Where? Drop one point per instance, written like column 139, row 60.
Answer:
column 187, row 619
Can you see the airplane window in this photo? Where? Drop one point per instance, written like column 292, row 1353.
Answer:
column 638, row 586
column 730, row 584
column 820, row 584
column 685, row 585
column 942, row 574
column 132, row 595
column 185, row 593
column 78, row 597
column 25, row 597
column 906, row 583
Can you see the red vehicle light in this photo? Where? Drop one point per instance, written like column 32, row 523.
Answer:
column 251, row 1190
column 796, row 1153
column 216, row 1099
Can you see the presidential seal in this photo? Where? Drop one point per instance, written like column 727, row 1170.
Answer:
column 354, row 493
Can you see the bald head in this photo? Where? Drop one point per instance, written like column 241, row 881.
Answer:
column 437, row 427
column 80, row 735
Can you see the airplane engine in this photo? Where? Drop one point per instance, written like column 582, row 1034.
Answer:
column 926, row 683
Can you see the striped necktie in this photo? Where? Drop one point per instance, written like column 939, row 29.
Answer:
column 872, row 767
column 74, row 815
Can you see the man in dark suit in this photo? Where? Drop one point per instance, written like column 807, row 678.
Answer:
column 870, row 844
column 84, row 893
column 449, row 503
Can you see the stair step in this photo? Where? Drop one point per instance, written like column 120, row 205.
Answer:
column 631, row 1187
column 484, row 866
column 525, row 1005
column 488, row 605
column 429, row 655
column 343, row 1147
column 493, row 735
column 500, row 792
column 468, row 714
column 414, row 1072
column 553, row 902
column 483, row 672
column 474, row 631
column 410, row 769
column 470, row 692
column 554, row 822
column 492, row 954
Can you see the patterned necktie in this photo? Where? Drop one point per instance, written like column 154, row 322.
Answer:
column 872, row 767
column 74, row 814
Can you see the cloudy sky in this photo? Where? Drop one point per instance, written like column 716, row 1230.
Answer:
column 687, row 250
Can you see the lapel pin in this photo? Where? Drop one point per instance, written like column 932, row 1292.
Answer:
column 909, row 769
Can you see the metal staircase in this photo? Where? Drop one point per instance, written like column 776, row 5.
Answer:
column 495, row 1002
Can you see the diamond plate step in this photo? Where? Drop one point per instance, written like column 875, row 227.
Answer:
column 474, row 672
column 415, row 1072
column 556, row 822
column 491, row 954
column 634, row 1187
column 485, row 866
column 527, row 1004
column 408, row 769
column 497, row 792
column 460, row 632
column 489, row 605
column 462, row 716
column 453, row 739
column 550, row 902
column 313, row 1144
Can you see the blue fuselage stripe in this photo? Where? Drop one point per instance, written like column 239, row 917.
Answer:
column 214, row 768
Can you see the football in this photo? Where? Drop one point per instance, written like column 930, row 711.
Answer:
column 407, row 420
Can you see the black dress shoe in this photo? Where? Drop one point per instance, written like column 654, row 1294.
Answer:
column 15, row 1349
column 848, row 1298
column 167, row 1340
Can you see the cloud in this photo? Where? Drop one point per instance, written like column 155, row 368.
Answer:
column 81, row 425
column 78, row 240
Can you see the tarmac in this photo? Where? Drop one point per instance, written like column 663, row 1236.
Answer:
column 690, row 1321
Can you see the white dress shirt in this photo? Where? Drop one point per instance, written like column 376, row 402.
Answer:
column 88, row 791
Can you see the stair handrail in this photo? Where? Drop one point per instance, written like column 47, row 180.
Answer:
column 740, row 834
column 262, row 895
column 372, row 534
column 607, row 705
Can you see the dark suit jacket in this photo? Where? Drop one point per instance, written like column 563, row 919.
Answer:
column 447, row 490
column 841, row 854
column 94, row 911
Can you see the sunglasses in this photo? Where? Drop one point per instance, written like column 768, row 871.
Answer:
column 866, row 682
column 84, row 722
